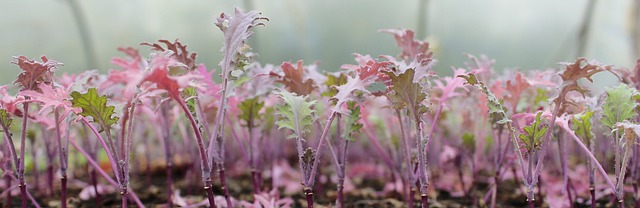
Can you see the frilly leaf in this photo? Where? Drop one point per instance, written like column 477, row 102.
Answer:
column 352, row 123
column 582, row 126
column 34, row 72
column 497, row 111
column 5, row 118
column 294, row 79
column 619, row 105
column 249, row 111
column 180, row 52
column 411, row 48
column 96, row 107
column 236, row 32
column 533, row 133
column 296, row 114
column 576, row 71
column 366, row 75
column 407, row 94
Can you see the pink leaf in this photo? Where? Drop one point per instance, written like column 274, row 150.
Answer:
column 411, row 48
column 236, row 31
column 34, row 72
column 172, row 84
column 50, row 97
column 448, row 90
column 366, row 74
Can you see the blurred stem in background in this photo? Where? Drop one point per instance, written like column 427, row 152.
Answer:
column 421, row 29
column 584, row 28
column 85, row 36
column 635, row 29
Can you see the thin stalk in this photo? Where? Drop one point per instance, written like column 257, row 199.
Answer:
column 23, row 138
column 422, row 163
column 127, row 140
column 106, row 149
column 323, row 137
column 33, row 200
column 7, row 180
column 85, row 35
column 308, row 180
column 586, row 151
column 373, row 138
column 584, row 28
column 343, row 169
column 166, row 133
column 106, row 176
column 309, row 196
column 407, row 151
column 63, row 160
column 218, row 133
column 34, row 163
column 204, row 161
column 50, row 153
column 565, row 168
column 635, row 198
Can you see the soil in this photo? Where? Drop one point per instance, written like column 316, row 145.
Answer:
column 154, row 195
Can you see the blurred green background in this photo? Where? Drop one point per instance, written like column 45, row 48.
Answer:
column 518, row 34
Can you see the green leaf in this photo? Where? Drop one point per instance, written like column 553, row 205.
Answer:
column 407, row 94
column 581, row 124
column 352, row 124
column 268, row 119
column 469, row 142
column 191, row 103
column 541, row 97
column 619, row 105
column 533, row 133
column 296, row 114
column 332, row 83
column 96, row 107
column 5, row 119
column 249, row 109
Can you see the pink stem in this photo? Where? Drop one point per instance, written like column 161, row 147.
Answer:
column 204, row 161
column 106, row 176
column 373, row 138
column 106, row 148
column 323, row 137
column 590, row 155
column 23, row 138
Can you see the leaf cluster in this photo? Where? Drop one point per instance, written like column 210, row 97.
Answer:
column 533, row 133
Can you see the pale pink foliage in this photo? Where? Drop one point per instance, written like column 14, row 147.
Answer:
column 236, row 30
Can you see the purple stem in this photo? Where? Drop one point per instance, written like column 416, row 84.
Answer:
column 243, row 149
column 132, row 195
column 434, row 124
column 407, row 156
column 323, row 137
column 12, row 150
column 7, row 179
column 204, row 161
column 105, row 147
column 590, row 155
column 592, row 191
column 34, row 162
column 373, row 138
column 565, row 168
column 63, row 160
column 23, row 138
column 33, row 200
column 309, row 195
column 165, row 134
